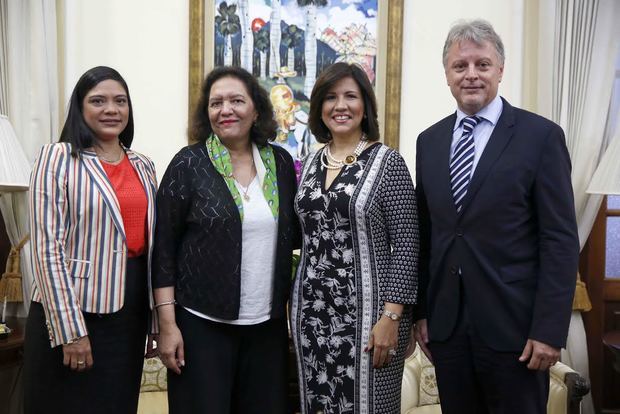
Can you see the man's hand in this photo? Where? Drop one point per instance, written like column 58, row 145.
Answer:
column 420, row 333
column 541, row 356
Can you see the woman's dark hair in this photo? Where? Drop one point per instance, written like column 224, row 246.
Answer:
column 76, row 131
column 265, row 127
column 326, row 81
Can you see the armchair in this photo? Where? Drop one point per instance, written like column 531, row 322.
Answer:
column 420, row 396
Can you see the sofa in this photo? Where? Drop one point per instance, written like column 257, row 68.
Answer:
column 566, row 388
column 419, row 394
column 153, row 390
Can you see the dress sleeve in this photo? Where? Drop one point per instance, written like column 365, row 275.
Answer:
column 172, row 205
column 400, row 213
column 49, row 224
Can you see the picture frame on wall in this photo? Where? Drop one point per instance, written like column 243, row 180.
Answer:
column 312, row 35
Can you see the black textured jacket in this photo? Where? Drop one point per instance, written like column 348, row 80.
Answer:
column 198, row 235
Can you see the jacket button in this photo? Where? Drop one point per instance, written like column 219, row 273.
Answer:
column 459, row 232
column 454, row 270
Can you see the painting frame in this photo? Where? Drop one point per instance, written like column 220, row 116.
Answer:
column 201, row 21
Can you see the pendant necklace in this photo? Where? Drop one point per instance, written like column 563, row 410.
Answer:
column 109, row 161
column 246, row 197
column 245, row 190
column 328, row 161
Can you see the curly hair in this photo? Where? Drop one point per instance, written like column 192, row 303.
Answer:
column 265, row 127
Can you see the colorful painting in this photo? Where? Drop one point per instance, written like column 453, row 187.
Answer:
column 287, row 43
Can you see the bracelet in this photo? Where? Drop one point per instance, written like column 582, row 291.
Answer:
column 392, row 315
column 170, row 302
column 74, row 340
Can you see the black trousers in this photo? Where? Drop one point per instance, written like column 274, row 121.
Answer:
column 475, row 379
column 230, row 368
column 117, row 340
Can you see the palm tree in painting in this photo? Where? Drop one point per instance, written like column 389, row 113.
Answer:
column 310, row 15
column 275, row 36
column 247, row 38
column 261, row 44
column 227, row 23
column 291, row 38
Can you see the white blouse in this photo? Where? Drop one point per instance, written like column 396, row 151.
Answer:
column 259, row 231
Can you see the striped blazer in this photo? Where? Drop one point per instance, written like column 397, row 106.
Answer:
column 79, row 251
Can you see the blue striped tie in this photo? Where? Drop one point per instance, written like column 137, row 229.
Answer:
column 462, row 161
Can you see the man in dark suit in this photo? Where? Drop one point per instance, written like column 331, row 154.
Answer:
column 499, row 239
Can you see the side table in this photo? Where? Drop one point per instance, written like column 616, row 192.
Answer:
column 612, row 341
column 11, row 360
column 12, row 347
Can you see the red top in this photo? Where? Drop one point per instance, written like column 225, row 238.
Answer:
column 132, row 199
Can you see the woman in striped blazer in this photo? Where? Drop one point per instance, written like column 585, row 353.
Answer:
column 92, row 220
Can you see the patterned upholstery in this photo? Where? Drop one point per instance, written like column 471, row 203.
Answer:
column 153, row 389
column 420, row 396
column 419, row 389
column 153, row 376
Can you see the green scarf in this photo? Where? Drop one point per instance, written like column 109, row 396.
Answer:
column 220, row 157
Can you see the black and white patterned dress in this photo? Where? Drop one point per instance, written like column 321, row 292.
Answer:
column 360, row 250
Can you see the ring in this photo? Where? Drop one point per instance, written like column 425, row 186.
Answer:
column 392, row 352
column 80, row 362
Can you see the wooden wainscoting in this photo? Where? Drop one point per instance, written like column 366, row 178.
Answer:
column 604, row 316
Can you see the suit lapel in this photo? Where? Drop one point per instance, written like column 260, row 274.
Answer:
column 442, row 158
column 95, row 170
column 502, row 133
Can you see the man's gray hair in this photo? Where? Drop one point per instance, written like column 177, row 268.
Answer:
column 477, row 31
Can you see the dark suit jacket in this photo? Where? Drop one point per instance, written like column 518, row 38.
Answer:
column 515, row 239
column 198, row 235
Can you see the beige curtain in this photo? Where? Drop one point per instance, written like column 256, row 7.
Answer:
column 576, row 56
column 29, row 91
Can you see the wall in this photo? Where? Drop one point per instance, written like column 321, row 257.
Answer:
column 425, row 95
column 147, row 41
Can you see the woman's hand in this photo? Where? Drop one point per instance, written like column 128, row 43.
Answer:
column 170, row 346
column 384, row 341
column 78, row 355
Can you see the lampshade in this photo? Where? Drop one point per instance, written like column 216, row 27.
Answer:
column 14, row 166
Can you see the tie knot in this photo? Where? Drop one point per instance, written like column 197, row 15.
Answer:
column 469, row 123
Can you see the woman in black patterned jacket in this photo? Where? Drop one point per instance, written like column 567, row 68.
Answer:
column 222, row 259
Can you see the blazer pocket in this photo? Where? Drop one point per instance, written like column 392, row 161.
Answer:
column 79, row 269
column 519, row 271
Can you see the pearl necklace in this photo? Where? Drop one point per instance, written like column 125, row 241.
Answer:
column 328, row 161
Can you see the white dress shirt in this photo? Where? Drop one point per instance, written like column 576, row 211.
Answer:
column 482, row 132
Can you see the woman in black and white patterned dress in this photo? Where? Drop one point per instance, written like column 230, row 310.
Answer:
column 358, row 270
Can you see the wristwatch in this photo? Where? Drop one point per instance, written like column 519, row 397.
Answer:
column 392, row 315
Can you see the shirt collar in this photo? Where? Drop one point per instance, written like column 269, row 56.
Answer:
column 261, row 170
column 490, row 113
